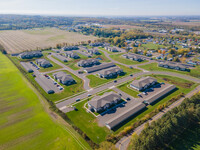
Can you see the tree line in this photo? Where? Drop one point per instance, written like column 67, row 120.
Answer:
column 160, row 133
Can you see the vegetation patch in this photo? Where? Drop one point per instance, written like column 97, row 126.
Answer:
column 119, row 58
column 23, row 119
column 154, row 67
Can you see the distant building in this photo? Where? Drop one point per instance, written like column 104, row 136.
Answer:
column 72, row 55
column 113, row 72
column 93, row 52
column 111, row 49
column 43, row 63
column 70, row 48
column 96, row 44
column 101, row 103
column 133, row 57
column 171, row 65
column 64, row 78
column 30, row 55
column 143, row 83
column 88, row 62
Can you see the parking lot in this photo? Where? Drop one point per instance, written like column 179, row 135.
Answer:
column 152, row 93
column 46, row 82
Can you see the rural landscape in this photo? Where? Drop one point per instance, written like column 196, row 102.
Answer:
column 108, row 82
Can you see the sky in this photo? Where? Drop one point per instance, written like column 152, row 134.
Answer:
column 101, row 7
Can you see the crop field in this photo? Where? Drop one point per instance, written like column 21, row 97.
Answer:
column 24, row 122
column 16, row 41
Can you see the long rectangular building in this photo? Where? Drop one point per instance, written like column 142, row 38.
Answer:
column 161, row 93
column 99, row 67
column 124, row 116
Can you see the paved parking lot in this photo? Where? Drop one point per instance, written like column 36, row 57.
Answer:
column 46, row 83
column 130, row 104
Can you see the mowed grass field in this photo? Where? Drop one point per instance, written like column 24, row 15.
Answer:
column 16, row 41
column 24, row 122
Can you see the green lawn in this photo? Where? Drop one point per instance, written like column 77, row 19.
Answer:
column 151, row 45
column 95, row 80
column 88, row 123
column 119, row 58
column 127, row 89
column 154, row 67
column 184, row 86
column 24, row 124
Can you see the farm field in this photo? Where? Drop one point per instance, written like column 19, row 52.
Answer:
column 24, row 122
column 15, row 41
column 154, row 67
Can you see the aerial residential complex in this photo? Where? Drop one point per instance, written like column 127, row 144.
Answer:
column 109, row 82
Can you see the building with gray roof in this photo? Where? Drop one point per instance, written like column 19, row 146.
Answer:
column 27, row 67
column 110, row 124
column 30, row 55
column 93, row 52
column 43, row 63
column 72, row 55
column 161, row 93
column 111, row 49
column 132, row 56
column 88, row 62
column 110, row 73
column 101, row 103
column 70, row 48
column 99, row 67
column 64, row 78
column 60, row 57
column 176, row 66
column 143, row 83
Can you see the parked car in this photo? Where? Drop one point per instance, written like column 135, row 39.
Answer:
column 144, row 93
column 89, row 95
column 131, row 75
column 128, row 99
column 78, row 99
column 139, row 95
column 115, row 81
column 61, row 88
column 54, row 82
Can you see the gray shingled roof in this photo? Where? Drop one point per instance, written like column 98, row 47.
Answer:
column 100, row 101
column 161, row 93
column 100, row 67
column 113, row 70
column 88, row 61
column 125, row 115
column 143, row 81
column 63, row 76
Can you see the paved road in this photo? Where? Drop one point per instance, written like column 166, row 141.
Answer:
column 62, row 105
column 123, row 143
column 82, row 76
